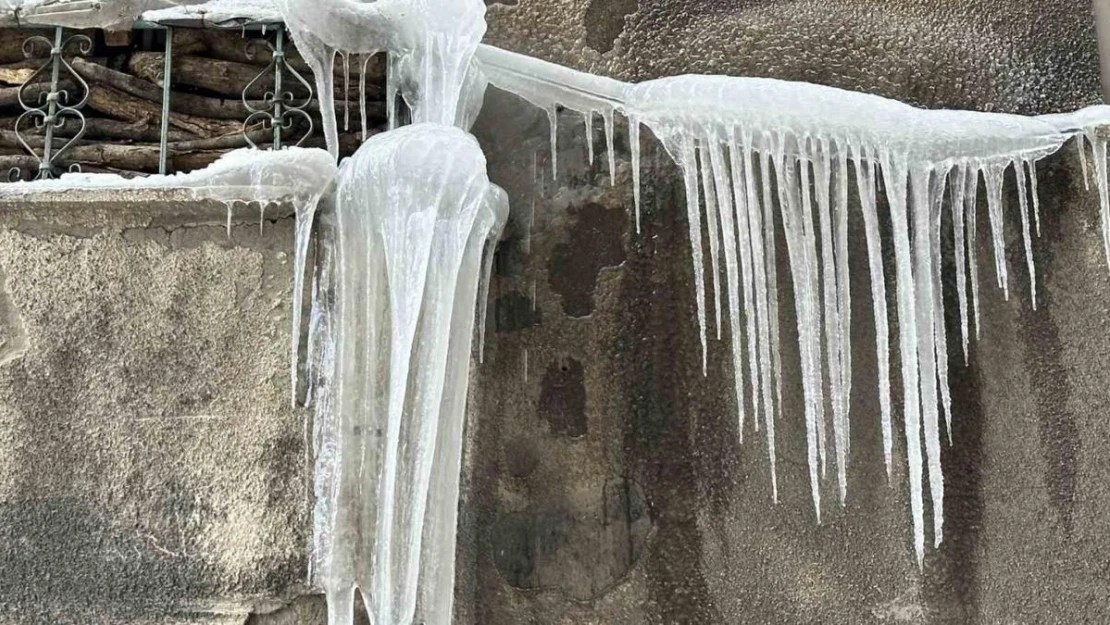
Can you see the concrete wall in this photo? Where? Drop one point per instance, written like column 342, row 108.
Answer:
column 152, row 470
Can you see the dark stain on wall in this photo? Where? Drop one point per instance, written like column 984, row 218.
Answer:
column 563, row 398
column 1050, row 381
column 581, row 549
column 593, row 242
column 604, row 21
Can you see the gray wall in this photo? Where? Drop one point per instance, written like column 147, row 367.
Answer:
column 152, row 470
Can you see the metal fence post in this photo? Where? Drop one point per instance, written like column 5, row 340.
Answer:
column 166, row 80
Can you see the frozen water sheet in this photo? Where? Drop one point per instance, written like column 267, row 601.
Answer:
column 414, row 216
column 807, row 136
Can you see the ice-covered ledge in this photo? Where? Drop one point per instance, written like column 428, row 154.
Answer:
column 244, row 182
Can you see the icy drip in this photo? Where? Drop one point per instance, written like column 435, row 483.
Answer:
column 808, row 134
column 429, row 44
column 414, row 217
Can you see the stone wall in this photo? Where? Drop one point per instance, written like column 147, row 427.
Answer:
column 152, row 469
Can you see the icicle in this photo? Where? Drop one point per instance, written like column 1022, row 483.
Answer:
column 920, row 208
column 341, row 605
column 607, row 120
column 392, row 76
column 788, row 188
column 688, row 163
column 822, row 169
column 865, row 182
column 1080, row 144
column 843, row 294
column 770, row 264
column 895, row 174
column 1023, row 205
column 346, row 91
column 993, row 174
column 365, row 59
column 814, row 322
column 588, row 117
column 728, row 227
column 759, row 342
column 261, row 216
column 940, row 333
column 972, row 241
column 230, row 206
column 742, row 213
column 1098, row 145
column 634, row 145
column 553, row 122
column 959, row 194
column 1032, row 166
column 712, row 224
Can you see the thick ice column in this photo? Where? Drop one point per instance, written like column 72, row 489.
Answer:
column 414, row 210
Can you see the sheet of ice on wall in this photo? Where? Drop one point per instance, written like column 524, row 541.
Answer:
column 392, row 344
column 754, row 151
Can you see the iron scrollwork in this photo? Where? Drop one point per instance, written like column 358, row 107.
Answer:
column 281, row 106
column 55, row 106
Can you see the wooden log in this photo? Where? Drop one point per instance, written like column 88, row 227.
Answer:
column 9, row 139
column 120, row 105
column 106, row 129
column 229, row 78
column 187, row 103
column 9, row 96
column 27, row 166
column 11, row 43
column 130, row 157
column 18, row 72
column 224, row 77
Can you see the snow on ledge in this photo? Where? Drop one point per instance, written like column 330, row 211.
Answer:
column 216, row 13
column 290, row 175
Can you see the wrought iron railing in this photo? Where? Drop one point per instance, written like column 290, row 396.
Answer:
column 47, row 109
column 54, row 106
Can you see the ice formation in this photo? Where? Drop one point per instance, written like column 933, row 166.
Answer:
column 731, row 136
column 414, row 218
column 429, row 45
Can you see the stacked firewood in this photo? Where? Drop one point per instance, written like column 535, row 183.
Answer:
column 212, row 72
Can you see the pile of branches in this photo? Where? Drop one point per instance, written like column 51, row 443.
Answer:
column 212, row 72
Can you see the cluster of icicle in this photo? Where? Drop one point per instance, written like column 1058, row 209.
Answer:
column 401, row 263
column 747, row 146
column 415, row 220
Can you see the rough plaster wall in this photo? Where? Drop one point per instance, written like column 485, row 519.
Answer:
column 1003, row 55
column 151, row 468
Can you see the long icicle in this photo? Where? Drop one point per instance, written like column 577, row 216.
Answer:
column 865, row 184
column 791, row 222
column 693, row 216
column 756, row 230
column 713, row 230
column 724, row 196
column 895, row 176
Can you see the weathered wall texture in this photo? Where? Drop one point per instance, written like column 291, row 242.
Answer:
column 150, row 462
column 151, row 469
